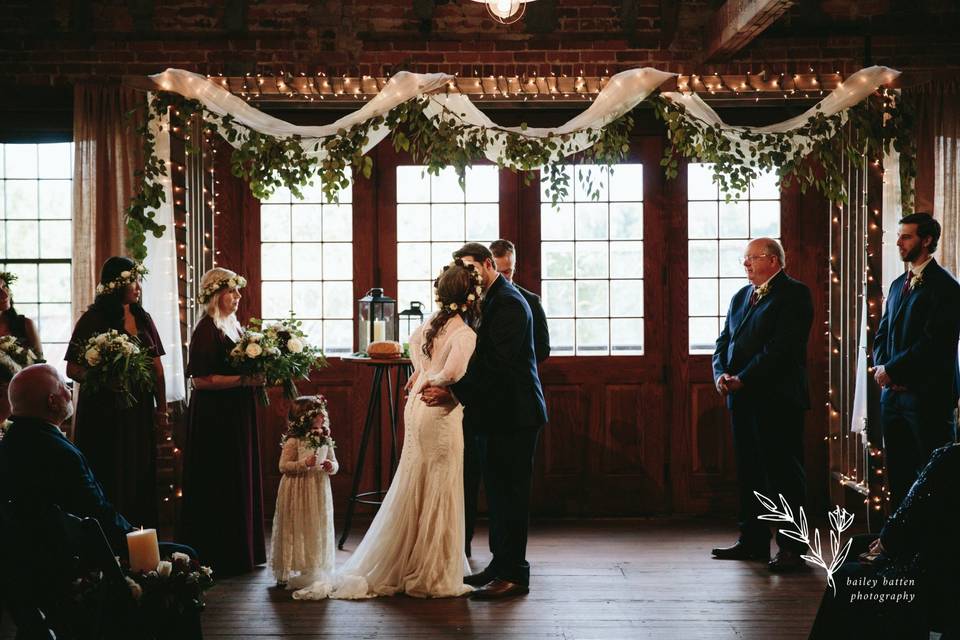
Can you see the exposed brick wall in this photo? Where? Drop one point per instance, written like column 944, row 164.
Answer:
column 53, row 42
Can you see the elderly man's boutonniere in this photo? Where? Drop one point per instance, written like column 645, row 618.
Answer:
column 917, row 281
column 762, row 290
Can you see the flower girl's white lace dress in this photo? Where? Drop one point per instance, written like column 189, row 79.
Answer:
column 415, row 543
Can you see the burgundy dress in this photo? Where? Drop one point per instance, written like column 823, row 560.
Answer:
column 222, row 514
column 120, row 443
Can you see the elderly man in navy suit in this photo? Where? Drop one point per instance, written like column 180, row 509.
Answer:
column 759, row 366
column 915, row 357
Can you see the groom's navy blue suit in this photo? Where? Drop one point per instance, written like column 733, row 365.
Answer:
column 916, row 343
column 765, row 345
column 503, row 401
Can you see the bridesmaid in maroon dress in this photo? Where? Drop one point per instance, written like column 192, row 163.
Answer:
column 18, row 326
column 222, row 514
column 121, row 443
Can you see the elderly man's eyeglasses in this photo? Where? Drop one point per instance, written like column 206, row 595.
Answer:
column 756, row 257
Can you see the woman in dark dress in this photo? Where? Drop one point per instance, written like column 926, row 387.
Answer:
column 18, row 326
column 121, row 443
column 222, row 514
column 913, row 565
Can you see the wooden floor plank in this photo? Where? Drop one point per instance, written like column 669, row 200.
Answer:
column 591, row 580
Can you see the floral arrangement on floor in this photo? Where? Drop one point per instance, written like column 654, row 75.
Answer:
column 14, row 356
column 160, row 598
column 303, row 428
column 116, row 362
column 278, row 351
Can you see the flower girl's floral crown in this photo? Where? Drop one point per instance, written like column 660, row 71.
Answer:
column 233, row 282
column 454, row 306
column 302, row 426
column 126, row 277
column 8, row 278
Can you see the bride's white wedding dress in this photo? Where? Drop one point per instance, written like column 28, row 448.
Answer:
column 415, row 544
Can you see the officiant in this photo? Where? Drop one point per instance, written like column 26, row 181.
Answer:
column 759, row 367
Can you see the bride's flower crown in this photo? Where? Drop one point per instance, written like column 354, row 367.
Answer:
column 233, row 282
column 454, row 306
column 126, row 277
column 8, row 278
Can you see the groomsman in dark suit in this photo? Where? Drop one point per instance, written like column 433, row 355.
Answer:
column 504, row 257
column 915, row 357
column 759, row 366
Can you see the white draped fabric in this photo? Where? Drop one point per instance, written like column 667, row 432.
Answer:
column 161, row 296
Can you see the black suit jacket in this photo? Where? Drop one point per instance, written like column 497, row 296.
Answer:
column 501, row 389
column 766, row 345
column 39, row 466
column 916, row 341
column 541, row 332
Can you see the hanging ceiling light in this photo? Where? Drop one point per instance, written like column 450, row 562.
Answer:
column 505, row 11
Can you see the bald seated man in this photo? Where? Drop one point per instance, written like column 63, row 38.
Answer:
column 38, row 465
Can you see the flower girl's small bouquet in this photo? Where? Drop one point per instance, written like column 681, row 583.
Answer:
column 280, row 352
column 116, row 362
column 14, row 357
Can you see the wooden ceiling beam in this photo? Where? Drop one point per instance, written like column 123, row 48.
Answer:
column 737, row 22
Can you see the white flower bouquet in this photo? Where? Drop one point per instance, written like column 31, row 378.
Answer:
column 279, row 351
column 116, row 362
column 14, row 356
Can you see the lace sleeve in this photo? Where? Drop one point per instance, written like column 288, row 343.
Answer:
column 416, row 346
column 289, row 462
column 462, row 344
column 332, row 457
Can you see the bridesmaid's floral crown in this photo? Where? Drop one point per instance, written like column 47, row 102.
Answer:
column 233, row 282
column 8, row 278
column 126, row 277
column 303, row 428
column 454, row 306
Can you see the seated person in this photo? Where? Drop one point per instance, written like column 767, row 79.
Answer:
column 904, row 586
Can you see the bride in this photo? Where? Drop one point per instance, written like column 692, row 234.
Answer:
column 415, row 544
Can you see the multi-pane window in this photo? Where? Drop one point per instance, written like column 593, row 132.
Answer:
column 592, row 262
column 435, row 217
column 306, row 264
column 36, row 204
column 718, row 233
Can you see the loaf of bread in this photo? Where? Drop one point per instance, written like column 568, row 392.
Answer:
column 384, row 349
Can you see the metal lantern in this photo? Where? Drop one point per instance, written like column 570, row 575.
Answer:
column 410, row 319
column 377, row 315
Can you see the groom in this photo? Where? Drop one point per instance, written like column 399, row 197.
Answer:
column 503, row 401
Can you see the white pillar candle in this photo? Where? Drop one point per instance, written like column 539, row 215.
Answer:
column 143, row 549
column 379, row 330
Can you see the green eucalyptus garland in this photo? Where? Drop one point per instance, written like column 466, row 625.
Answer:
column 267, row 163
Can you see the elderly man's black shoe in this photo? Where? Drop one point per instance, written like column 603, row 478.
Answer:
column 741, row 551
column 498, row 589
column 479, row 579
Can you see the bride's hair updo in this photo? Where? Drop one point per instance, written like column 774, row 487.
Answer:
column 457, row 291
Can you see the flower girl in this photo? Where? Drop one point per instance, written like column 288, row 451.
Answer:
column 302, row 548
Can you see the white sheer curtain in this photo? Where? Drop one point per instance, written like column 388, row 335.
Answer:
column 160, row 290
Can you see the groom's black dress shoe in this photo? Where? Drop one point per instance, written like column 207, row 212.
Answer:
column 787, row 562
column 497, row 589
column 741, row 551
column 479, row 579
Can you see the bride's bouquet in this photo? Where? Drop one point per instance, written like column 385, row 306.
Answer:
column 14, row 356
column 280, row 352
column 116, row 362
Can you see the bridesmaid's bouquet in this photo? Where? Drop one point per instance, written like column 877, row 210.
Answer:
column 116, row 362
column 280, row 352
column 14, row 356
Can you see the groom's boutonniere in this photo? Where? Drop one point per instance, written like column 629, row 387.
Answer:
column 917, row 281
column 762, row 290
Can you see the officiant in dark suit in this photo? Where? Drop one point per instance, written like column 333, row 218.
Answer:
column 503, row 400
column 915, row 357
column 759, row 366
